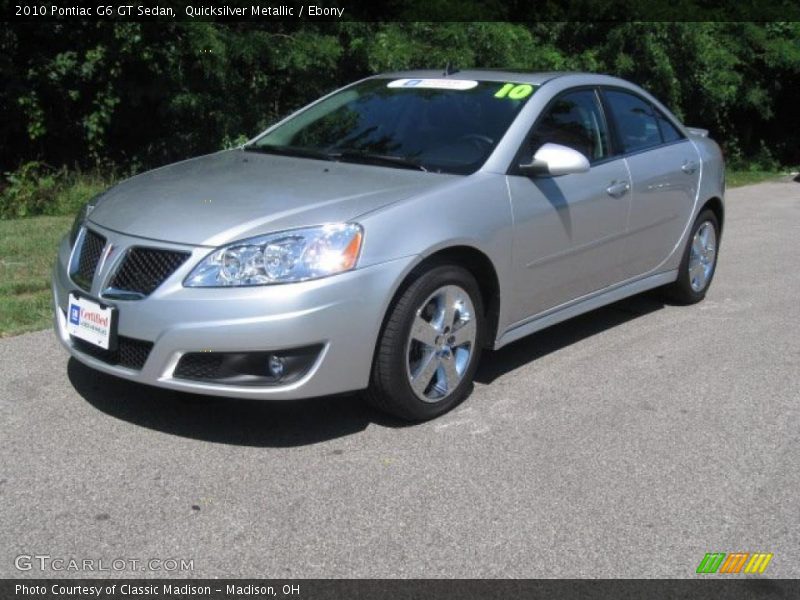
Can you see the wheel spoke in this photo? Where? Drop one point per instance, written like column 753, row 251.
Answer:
column 703, row 231
column 694, row 268
column 424, row 331
column 465, row 334
column 451, row 375
column 698, row 275
column 450, row 299
column 697, row 246
column 422, row 378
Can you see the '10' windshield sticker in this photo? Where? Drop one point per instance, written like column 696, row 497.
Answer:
column 514, row 91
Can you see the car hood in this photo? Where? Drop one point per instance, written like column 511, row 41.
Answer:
column 232, row 195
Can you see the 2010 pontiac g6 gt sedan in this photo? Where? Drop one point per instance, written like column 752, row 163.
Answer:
column 380, row 237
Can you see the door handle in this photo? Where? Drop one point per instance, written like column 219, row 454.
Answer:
column 618, row 189
column 689, row 167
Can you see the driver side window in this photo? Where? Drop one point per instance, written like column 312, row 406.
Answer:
column 574, row 120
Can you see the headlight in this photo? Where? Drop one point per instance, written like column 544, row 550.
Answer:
column 287, row 256
column 80, row 219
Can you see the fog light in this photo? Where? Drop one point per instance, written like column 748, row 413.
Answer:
column 276, row 366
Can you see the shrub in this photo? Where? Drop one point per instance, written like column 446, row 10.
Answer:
column 36, row 189
column 28, row 191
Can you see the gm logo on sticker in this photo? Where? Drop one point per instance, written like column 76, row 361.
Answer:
column 74, row 314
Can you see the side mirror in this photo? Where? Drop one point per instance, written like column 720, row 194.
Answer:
column 555, row 160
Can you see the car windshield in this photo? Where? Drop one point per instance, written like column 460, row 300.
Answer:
column 439, row 125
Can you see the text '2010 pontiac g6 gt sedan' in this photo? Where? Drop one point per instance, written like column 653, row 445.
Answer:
column 380, row 237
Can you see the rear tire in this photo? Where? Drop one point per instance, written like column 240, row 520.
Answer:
column 699, row 262
column 430, row 346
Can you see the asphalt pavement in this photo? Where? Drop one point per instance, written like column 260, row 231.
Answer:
column 627, row 442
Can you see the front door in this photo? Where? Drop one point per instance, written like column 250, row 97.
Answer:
column 569, row 231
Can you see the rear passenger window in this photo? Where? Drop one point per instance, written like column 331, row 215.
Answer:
column 668, row 131
column 636, row 122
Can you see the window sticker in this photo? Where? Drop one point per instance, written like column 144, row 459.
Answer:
column 437, row 84
column 514, row 91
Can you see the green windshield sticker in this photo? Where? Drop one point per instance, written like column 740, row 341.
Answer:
column 514, row 91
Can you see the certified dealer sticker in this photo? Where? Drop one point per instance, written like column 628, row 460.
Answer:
column 89, row 321
column 437, row 84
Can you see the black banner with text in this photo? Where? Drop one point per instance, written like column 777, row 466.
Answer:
column 400, row 10
column 396, row 589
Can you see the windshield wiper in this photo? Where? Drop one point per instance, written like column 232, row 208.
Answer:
column 383, row 159
column 344, row 155
column 289, row 151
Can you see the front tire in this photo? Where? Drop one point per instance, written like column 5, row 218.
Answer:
column 430, row 346
column 699, row 262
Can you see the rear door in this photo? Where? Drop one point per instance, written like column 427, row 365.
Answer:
column 665, row 172
column 568, row 230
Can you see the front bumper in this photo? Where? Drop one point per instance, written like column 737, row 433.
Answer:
column 340, row 314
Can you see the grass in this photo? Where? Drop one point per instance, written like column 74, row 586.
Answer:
column 27, row 253
column 28, row 243
column 28, row 250
column 736, row 178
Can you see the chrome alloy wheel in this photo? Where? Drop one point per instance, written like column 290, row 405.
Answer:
column 703, row 256
column 441, row 343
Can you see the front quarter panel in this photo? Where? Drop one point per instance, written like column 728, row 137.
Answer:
column 471, row 211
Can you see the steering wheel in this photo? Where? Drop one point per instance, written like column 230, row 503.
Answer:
column 482, row 142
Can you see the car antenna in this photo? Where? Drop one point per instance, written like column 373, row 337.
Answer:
column 449, row 70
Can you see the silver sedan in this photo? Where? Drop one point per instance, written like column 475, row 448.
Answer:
column 380, row 237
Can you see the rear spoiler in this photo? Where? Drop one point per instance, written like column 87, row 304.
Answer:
column 696, row 131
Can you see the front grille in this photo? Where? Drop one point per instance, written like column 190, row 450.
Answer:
column 144, row 269
column 91, row 249
column 130, row 352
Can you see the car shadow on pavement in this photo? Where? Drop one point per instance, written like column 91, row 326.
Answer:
column 494, row 364
column 225, row 420
column 283, row 424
